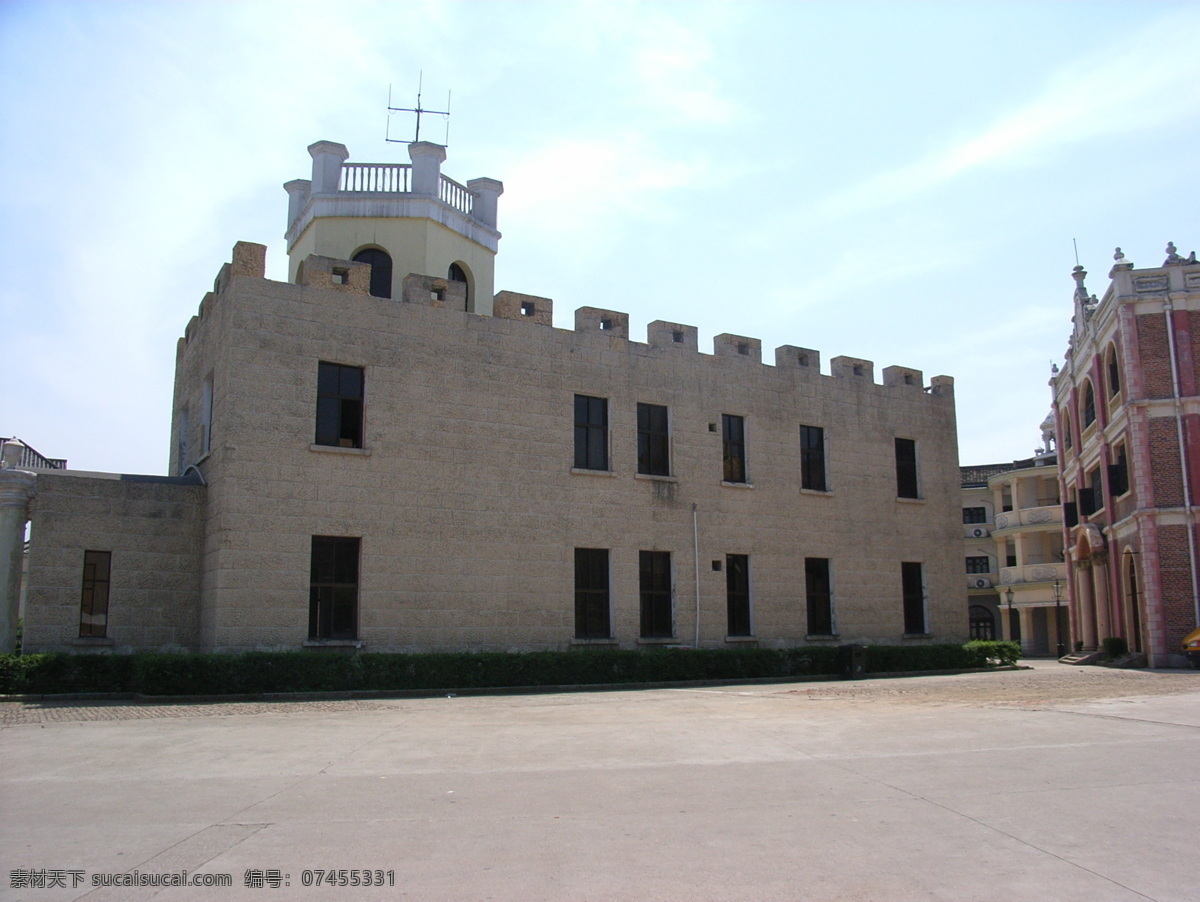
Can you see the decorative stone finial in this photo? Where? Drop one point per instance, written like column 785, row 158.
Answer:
column 10, row 454
column 1119, row 256
column 1175, row 259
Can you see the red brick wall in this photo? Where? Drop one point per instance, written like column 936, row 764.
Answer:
column 1154, row 355
column 1179, row 612
column 1164, row 462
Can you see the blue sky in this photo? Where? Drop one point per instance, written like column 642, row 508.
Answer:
column 895, row 181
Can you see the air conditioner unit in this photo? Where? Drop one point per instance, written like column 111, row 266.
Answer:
column 979, row 532
column 981, row 584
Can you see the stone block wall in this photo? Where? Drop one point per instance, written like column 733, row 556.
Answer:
column 153, row 530
column 467, row 502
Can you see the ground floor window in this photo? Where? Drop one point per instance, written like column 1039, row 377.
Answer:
column 983, row 623
column 592, row 619
column 913, row 580
column 737, row 594
column 93, row 602
column 654, row 582
column 819, row 596
column 333, row 592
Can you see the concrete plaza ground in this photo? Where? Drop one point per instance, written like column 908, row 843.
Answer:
column 1055, row 783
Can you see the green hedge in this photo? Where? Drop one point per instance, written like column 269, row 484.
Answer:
column 325, row 671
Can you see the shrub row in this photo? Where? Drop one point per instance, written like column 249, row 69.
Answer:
column 323, row 671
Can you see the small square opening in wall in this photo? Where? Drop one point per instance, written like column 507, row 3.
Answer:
column 743, row 349
column 802, row 360
column 908, row 380
column 712, row 427
column 605, row 325
column 677, row 337
column 858, row 370
column 437, row 294
column 528, row 308
column 716, row 565
column 341, row 276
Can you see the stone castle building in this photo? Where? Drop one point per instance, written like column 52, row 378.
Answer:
column 1127, row 409
column 382, row 453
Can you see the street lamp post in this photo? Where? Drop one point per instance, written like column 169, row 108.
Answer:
column 1058, row 617
column 1008, row 595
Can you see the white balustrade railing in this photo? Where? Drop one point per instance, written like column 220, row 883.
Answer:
column 456, row 195
column 391, row 178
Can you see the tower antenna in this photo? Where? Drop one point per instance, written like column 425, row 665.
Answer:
column 1075, row 244
column 418, row 110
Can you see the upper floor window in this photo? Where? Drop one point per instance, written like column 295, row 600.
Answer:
column 974, row 514
column 381, row 270
column 1118, row 474
column 339, row 405
column 591, row 433
column 653, row 440
column 93, row 601
column 979, row 564
column 812, row 459
column 1114, row 372
column 1089, row 405
column 1067, row 439
column 457, row 274
column 733, row 444
column 906, row 469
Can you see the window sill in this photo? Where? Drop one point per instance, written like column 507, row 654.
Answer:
column 737, row 485
column 917, row 636
column 580, row 471
column 655, row 478
column 822, row 637
column 333, row 643
column 92, row 642
column 910, row 500
column 825, row 492
column 658, row 640
column 741, row 640
column 587, row 642
column 337, row 449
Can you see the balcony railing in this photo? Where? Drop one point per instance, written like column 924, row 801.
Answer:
column 1030, row 516
column 396, row 178
column 456, row 195
column 391, row 178
column 1033, row 573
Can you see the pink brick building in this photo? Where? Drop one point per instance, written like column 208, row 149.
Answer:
column 1127, row 411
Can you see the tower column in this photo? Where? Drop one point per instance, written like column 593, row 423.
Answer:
column 427, row 159
column 17, row 488
column 327, row 157
column 486, row 192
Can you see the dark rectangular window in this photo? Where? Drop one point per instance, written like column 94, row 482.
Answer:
column 93, row 601
column 819, row 594
column 812, row 459
column 737, row 594
column 333, row 588
column 906, row 469
column 654, row 582
column 974, row 514
column 591, row 433
column 1091, row 496
column 654, row 456
column 979, row 564
column 913, row 579
column 339, row 405
column 1070, row 514
column 733, row 445
column 1118, row 474
column 592, row 619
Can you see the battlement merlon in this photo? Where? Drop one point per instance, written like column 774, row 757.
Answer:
column 393, row 190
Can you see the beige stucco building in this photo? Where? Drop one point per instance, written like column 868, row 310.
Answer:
column 416, row 463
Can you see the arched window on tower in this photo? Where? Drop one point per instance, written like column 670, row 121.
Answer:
column 1089, row 405
column 1114, row 373
column 381, row 270
column 457, row 274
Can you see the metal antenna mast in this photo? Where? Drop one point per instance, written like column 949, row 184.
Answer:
column 418, row 110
